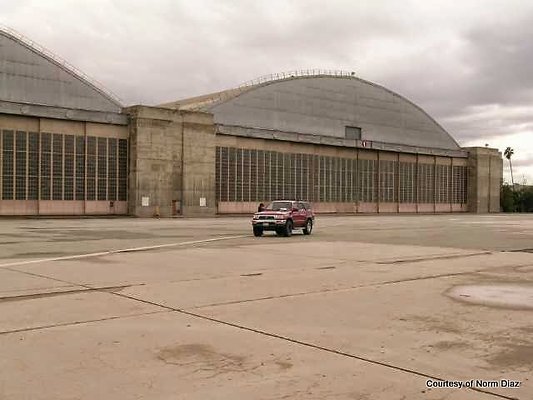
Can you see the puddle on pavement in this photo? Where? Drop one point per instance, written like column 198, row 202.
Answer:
column 512, row 296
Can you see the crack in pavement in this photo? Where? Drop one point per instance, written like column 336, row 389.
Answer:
column 345, row 289
column 271, row 334
column 88, row 321
column 309, row 345
column 443, row 257
column 23, row 297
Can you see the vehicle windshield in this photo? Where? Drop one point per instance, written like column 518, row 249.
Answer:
column 279, row 206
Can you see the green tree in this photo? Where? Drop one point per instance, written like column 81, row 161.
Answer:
column 507, row 198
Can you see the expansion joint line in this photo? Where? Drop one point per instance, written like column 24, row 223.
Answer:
column 307, row 344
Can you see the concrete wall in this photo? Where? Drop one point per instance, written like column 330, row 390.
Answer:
column 172, row 163
column 485, row 174
column 199, row 198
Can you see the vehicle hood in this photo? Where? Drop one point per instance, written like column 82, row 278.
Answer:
column 272, row 213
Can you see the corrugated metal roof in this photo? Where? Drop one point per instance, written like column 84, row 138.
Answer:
column 324, row 103
column 31, row 74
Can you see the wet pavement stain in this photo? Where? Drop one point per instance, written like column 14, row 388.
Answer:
column 204, row 360
column 497, row 295
column 201, row 358
column 514, row 355
column 450, row 345
column 42, row 254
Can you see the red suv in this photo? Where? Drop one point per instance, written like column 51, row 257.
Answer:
column 282, row 216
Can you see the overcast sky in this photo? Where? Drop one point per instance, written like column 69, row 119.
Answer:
column 467, row 63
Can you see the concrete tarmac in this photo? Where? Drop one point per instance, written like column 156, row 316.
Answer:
column 367, row 307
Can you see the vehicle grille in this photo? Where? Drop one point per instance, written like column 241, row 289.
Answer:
column 266, row 217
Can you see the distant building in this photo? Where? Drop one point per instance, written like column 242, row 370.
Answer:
column 69, row 147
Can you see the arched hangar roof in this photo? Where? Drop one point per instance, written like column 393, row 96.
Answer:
column 31, row 75
column 323, row 104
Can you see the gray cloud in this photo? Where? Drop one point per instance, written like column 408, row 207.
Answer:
column 467, row 64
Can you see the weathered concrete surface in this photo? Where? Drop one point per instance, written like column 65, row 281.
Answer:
column 171, row 356
column 172, row 162
column 485, row 178
column 360, row 309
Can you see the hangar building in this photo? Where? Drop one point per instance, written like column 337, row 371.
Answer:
column 347, row 145
column 63, row 139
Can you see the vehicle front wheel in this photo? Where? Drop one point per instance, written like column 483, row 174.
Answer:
column 288, row 229
column 258, row 231
column 308, row 227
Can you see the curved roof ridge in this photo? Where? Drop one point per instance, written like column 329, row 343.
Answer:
column 224, row 96
column 61, row 63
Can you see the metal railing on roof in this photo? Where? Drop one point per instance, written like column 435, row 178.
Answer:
column 280, row 76
column 297, row 74
column 60, row 61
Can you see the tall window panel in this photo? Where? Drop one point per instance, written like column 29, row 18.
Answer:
column 91, row 168
column 238, row 175
column 322, row 178
column 297, row 176
column 299, row 186
column 80, row 168
column 261, row 178
column 123, row 169
column 57, row 167
column 426, row 183
column 271, row 175
column 345, row 173
column 353, row 197
column 68, row 193
column 277, row 186
column 224, row 167
column 218, row 182
column 337, row 186
column 306, row 195
column 423, row 183
column 21, row 160
column 464, row 185
column 8, row 157
column 287, row 176
column 387, row 181
column 246, row 175
column 407, row 182
column 459, row 187
column 341, row 185
column 102, row 168
column 231, row 174
column 367, row 170
column 252, row 154
column 316, row 180
column 46, row 166
column 328, row 178
column 33, row 166
column 442, row 178
column 112, row 170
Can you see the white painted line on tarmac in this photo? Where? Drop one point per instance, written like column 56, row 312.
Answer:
column 128, row 250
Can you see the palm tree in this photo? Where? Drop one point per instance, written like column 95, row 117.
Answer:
column 508, row 153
